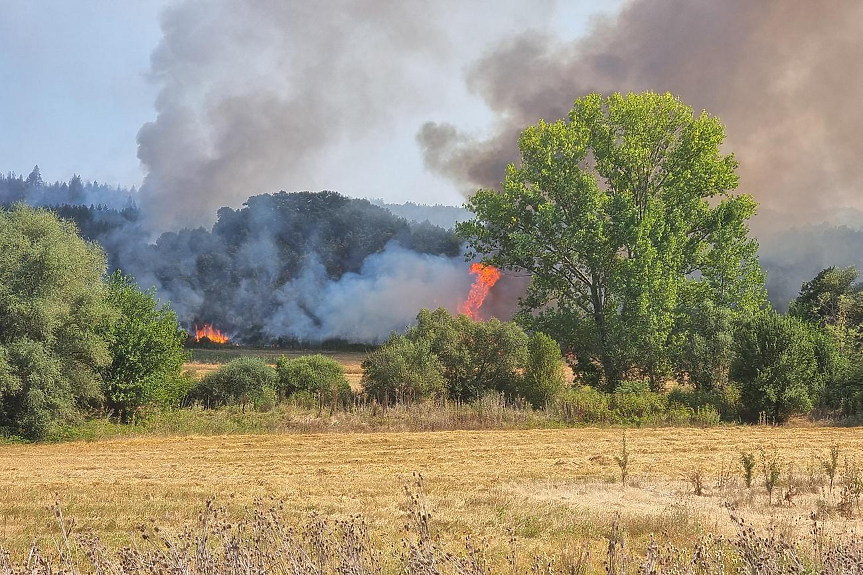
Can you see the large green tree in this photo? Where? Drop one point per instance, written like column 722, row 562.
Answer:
column 54, row 321
column 623, row 216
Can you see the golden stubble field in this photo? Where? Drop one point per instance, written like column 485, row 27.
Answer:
column 549, row 487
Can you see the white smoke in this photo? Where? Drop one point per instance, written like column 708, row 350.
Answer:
column 386, row 294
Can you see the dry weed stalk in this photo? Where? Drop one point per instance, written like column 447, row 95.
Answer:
column 264, row 544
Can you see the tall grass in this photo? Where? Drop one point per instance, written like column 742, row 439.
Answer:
column 306, row 414
column 264, row 543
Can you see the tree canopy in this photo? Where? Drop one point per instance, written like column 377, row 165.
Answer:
column 624, row 217
column 54, row 321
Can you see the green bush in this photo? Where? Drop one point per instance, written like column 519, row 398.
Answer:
column 779, row 366
column 633, row 386
column 707, row 348
column 725, row 399
column 403, row 370
column 147, row 353
column 464, row 359
column 243, row 381
column 544, row 377
column 643, row 407
column 174, row 392
column 584, row 405
column 475, row 357
column 706, row 416
column 317, row 375
column 54, row 322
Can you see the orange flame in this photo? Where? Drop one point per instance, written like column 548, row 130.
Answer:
column 211, row 333
column 486, row 277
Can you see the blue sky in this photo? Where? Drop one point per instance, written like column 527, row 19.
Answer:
column 76, row 90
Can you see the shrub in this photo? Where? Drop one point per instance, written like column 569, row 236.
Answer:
column 633, row 386
column 54, row 322
column 777, row 366
column 175, row 392
column 708, row 348
column 544, row 376
column 146, row 349
column 584, row 405
column 465, row 359
column 475, row 357
column 706, row 416
column 403, row 370
column 243, row 381
column 747, row 459
column 645, row 407
column 723, row 400
column 318, row 375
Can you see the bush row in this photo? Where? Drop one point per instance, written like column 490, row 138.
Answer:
column 250, row 382
column 456, row 357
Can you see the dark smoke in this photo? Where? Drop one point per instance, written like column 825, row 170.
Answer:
column 782, row 74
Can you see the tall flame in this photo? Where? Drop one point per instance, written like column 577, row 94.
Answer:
column 211, row 333
column 486, row 277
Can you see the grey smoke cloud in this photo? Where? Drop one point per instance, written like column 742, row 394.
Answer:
column 252, row 91
column 261, row 95
column 365, row 307
column 782, row 74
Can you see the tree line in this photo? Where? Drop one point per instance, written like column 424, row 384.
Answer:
column 644, row 278
column 625, row 216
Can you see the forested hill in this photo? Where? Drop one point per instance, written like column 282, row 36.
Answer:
column 33, row 191
column 262, row 271
column 437, row 214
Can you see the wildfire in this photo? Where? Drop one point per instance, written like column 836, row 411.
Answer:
column 486, row 277
column 211, row 333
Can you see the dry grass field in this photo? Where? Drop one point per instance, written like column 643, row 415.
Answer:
column 550, row 488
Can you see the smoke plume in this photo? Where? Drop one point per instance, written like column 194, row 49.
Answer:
column 384, row 296
column 779, row 73
column 261, row 95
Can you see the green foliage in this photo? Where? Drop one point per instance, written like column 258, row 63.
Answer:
column 621, row 215
column 53, row 322
column 475, row 356
column 707, row 350
column 464, row 359
column 318, row 375
column 175, row 392
column 781, row 365
column 725, row 400
column 403, row 370
column 833, row 297
column 243, row 381
column 544, row 377
column 834, row 301
column 622, row 461
column 588, row 405
column 146, row 348
column 771, row 467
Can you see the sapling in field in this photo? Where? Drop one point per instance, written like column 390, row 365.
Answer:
column 831, row 465
column 623, row 461
column 748, row 461
column 771, row 467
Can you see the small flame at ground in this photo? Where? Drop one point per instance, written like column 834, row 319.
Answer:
column 211, row 333
column 486, row 277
